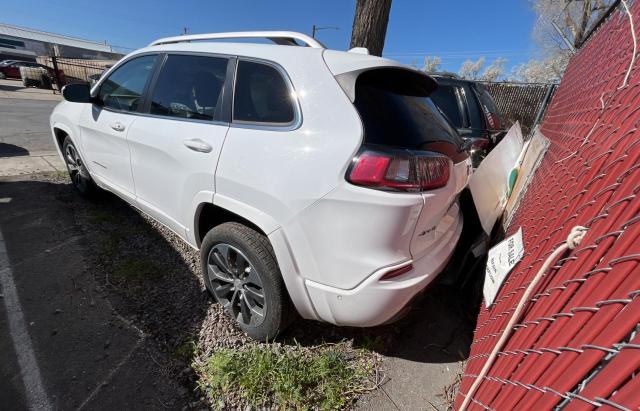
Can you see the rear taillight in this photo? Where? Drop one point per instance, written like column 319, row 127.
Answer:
column 400, row 170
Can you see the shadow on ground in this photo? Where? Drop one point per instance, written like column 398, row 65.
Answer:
column 111, row 269
column 11, row 86
column 8, row 150
column 105, row 296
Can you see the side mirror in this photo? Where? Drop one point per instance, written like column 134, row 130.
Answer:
column 77, row 93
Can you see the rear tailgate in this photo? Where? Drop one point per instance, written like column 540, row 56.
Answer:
column 396, row 112
column 437, row 221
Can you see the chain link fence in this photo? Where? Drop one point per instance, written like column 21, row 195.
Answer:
column 523, row 102
column 577, row 346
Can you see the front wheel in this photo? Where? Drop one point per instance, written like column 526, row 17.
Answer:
column 240, row 270
column 78, row 173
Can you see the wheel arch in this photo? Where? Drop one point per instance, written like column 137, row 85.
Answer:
column 211, row 214
column 60, row 131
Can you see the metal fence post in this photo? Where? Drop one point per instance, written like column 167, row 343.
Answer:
column 56, row 72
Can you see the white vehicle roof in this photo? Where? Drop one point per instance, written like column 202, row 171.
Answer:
column 284, row 51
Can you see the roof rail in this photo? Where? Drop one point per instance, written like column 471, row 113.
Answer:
column 287, row 38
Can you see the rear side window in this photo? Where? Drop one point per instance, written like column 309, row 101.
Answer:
column 447, row 99
column 122, row 90
column 396, row 111
column 489, row 108
column 261, row 95
column 190, row 87
column 476, row 118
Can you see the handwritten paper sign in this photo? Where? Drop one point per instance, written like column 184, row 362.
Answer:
column 502, row 258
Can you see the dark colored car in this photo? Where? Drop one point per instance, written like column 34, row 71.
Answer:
column 472, row 111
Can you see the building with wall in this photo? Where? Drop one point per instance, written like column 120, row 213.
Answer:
column 20, row 43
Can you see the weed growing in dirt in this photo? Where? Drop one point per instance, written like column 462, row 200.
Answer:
column 62, row 176
column 186, row 350
column 325, row 377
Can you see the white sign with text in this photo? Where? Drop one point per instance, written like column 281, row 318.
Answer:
column 502, row 258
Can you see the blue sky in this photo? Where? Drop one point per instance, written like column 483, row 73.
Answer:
column 453, row 30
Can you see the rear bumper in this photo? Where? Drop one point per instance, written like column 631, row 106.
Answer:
column 374, row 301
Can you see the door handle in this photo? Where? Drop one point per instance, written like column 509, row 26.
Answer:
column 196, row 144
column 117, row 126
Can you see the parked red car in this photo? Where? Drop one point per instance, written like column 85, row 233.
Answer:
column 11, row 68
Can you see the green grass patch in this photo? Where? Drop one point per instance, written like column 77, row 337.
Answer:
column 59, row 175
column 135, row 269
column 324, row 378
column 186, row 350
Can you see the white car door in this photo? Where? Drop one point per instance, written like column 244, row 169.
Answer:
column 104, row 125
column 175, row 145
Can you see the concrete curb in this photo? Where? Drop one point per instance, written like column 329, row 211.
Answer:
column 20, row 165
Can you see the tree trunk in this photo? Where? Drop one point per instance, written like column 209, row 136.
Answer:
column 370, row 25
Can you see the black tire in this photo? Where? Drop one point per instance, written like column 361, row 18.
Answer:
column 253, row 247
column 45, row 82
column 28, row 82
column 78, row 173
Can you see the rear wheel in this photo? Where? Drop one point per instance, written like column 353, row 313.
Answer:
column 78, row 173
column 241, row 272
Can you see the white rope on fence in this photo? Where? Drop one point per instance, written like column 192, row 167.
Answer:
column 573, row 240
column 635, row 44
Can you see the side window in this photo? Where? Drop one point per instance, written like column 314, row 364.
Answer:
column 446, row 98
column 190, row 87
column 123, row 89
column 474, row 111
column 261, row 95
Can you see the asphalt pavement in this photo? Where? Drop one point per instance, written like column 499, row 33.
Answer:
column 62, row 345
column 25, row 127
column 25, row 138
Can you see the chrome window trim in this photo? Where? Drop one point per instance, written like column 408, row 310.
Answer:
column 188, row 120
column 96, row 90
column 297, row 111
column 268, row 126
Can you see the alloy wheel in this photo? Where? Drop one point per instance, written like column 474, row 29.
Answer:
column 76, row 168
column 236, row 284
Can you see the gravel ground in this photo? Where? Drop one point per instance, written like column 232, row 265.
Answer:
column 152, row 279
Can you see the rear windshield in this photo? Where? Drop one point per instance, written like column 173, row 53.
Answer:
column 396, row 111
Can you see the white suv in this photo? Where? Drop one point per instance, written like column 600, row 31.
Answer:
column 308, row 178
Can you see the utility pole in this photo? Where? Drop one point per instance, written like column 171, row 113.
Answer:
column 316, row 29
